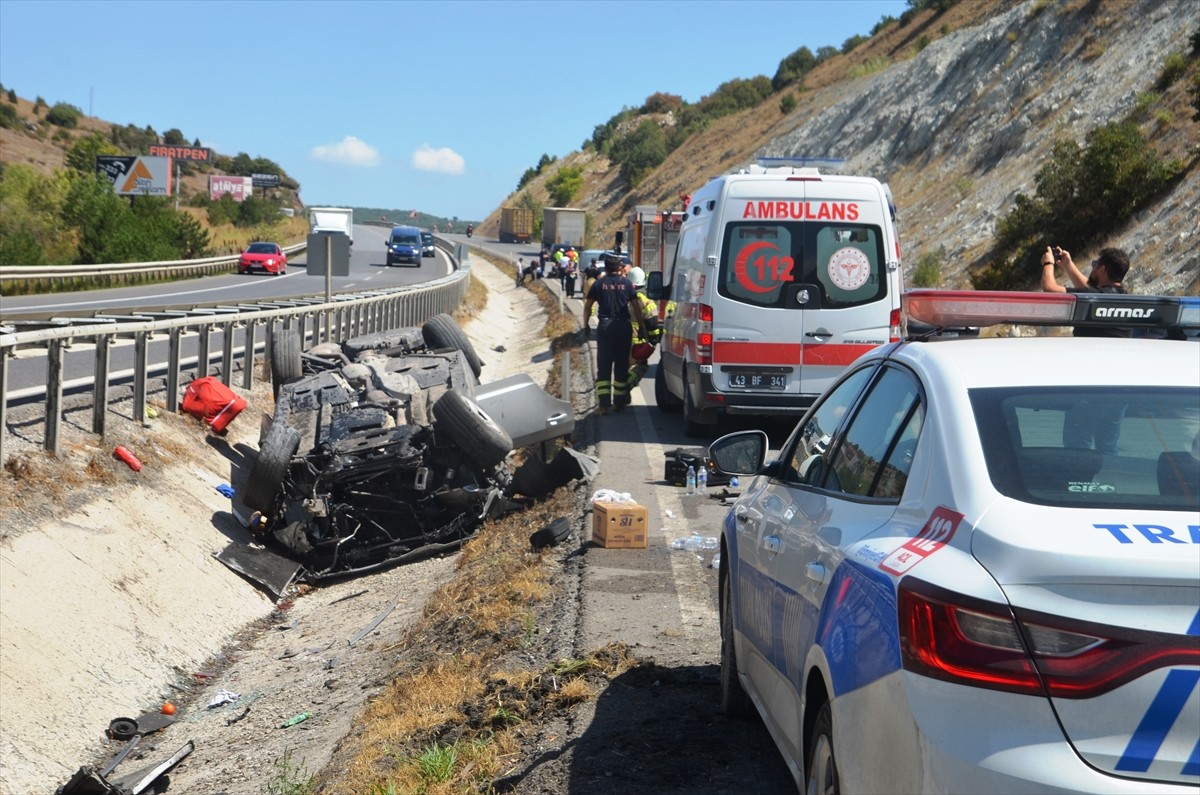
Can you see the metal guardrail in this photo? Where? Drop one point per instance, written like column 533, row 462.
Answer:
column 238, row 327
column 172, row 268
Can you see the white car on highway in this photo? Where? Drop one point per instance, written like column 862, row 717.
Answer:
column 975, row 564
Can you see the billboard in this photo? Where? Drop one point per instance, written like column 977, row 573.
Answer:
column 132, row 175
column 197, row 154
column 265, row 180
column 237, row 187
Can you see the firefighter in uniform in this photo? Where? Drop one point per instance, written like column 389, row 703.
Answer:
column 643, row 345
column 619, row 311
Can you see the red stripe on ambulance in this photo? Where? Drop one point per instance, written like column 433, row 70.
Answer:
column 787, row 353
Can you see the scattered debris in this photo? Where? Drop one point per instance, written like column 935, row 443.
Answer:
column 223, row 697
column 292, row 721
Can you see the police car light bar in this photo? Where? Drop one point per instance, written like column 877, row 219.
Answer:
column 956, row 308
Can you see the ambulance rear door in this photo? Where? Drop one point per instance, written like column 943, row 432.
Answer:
column 846, row 254
column 801, row 287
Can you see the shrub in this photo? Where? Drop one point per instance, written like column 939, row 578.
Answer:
column 869, row 67
column 12, row 96
column 1174, row 65
column 81, row 157
column 1195, row 92
column 565, row 186
column 787, row 103
column 173, row 137
column 928, row 272
column 852, row 42
column 8, row 117
column 640, row 152
column 793, row 68
column 64, row 115
column 1082, row 193
column 659, row 102
column 922, row 42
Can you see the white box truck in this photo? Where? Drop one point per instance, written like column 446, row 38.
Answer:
column 563, row 226
column 332, row 221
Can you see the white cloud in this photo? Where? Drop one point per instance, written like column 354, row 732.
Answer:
column 446, row 160
column 349, row 150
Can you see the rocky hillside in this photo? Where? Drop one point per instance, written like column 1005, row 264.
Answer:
column 957, row 111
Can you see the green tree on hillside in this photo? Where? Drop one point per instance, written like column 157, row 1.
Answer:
column 64, row 115
column 566, row 185
column 640, row 152
column 81, row 156
column 793, row 68
column 1082, row 194
column 174, row 137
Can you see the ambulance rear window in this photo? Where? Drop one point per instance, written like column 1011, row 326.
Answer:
column 844, row 261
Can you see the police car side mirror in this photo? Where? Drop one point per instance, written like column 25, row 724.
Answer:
column 655, row 290
column 741, row 453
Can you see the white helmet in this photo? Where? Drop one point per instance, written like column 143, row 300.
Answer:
column 637, row 276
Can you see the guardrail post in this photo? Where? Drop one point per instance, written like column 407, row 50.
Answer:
column 227, row 354
column 202, row 343
column 100, row 388
column 251, row 331
column 54, row 393
column 173, row 353
column 269, row 343
column 140, row 345
column 4, row 354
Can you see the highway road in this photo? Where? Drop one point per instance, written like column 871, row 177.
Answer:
column 368, row 271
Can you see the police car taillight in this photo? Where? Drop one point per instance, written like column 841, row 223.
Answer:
column 959, row 639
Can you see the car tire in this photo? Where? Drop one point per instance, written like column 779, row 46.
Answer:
column 270, row 467
column 478, row 436
column 820, row 769
column 440, row 331
column 286, row 363
column 552, row 534
column 734, row 701
column 389, row 262
column 662, row 395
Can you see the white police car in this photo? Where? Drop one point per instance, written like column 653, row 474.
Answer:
column 975, row 564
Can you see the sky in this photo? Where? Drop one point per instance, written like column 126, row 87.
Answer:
column 438, row 106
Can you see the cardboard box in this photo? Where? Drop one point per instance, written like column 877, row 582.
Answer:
column 619, row 525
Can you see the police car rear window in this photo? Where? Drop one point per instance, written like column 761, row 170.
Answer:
column 844, row 261
column 1119, row 447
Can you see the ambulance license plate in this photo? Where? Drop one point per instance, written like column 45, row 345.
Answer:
column 757, row 379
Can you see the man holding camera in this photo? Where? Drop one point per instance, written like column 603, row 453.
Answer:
column 1108, row 270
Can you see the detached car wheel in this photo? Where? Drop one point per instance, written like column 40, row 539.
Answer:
column 480, row 438
column 441, row 331
column 266, row 476
column 286, row 364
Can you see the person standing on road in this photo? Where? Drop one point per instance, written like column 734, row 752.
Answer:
column 642, row 346
column 572, row 273
column 613, row 295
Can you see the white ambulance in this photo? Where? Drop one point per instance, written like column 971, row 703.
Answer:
column 782, row 277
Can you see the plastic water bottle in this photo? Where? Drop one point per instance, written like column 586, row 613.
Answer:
column 733, row 482
column 702, row 480
column 691, row 480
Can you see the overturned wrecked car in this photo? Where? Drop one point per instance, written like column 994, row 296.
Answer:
column 386, row 447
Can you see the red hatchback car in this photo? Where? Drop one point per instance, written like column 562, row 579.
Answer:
column 267, row 257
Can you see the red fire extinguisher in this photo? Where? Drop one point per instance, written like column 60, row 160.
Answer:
column 129, row 458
